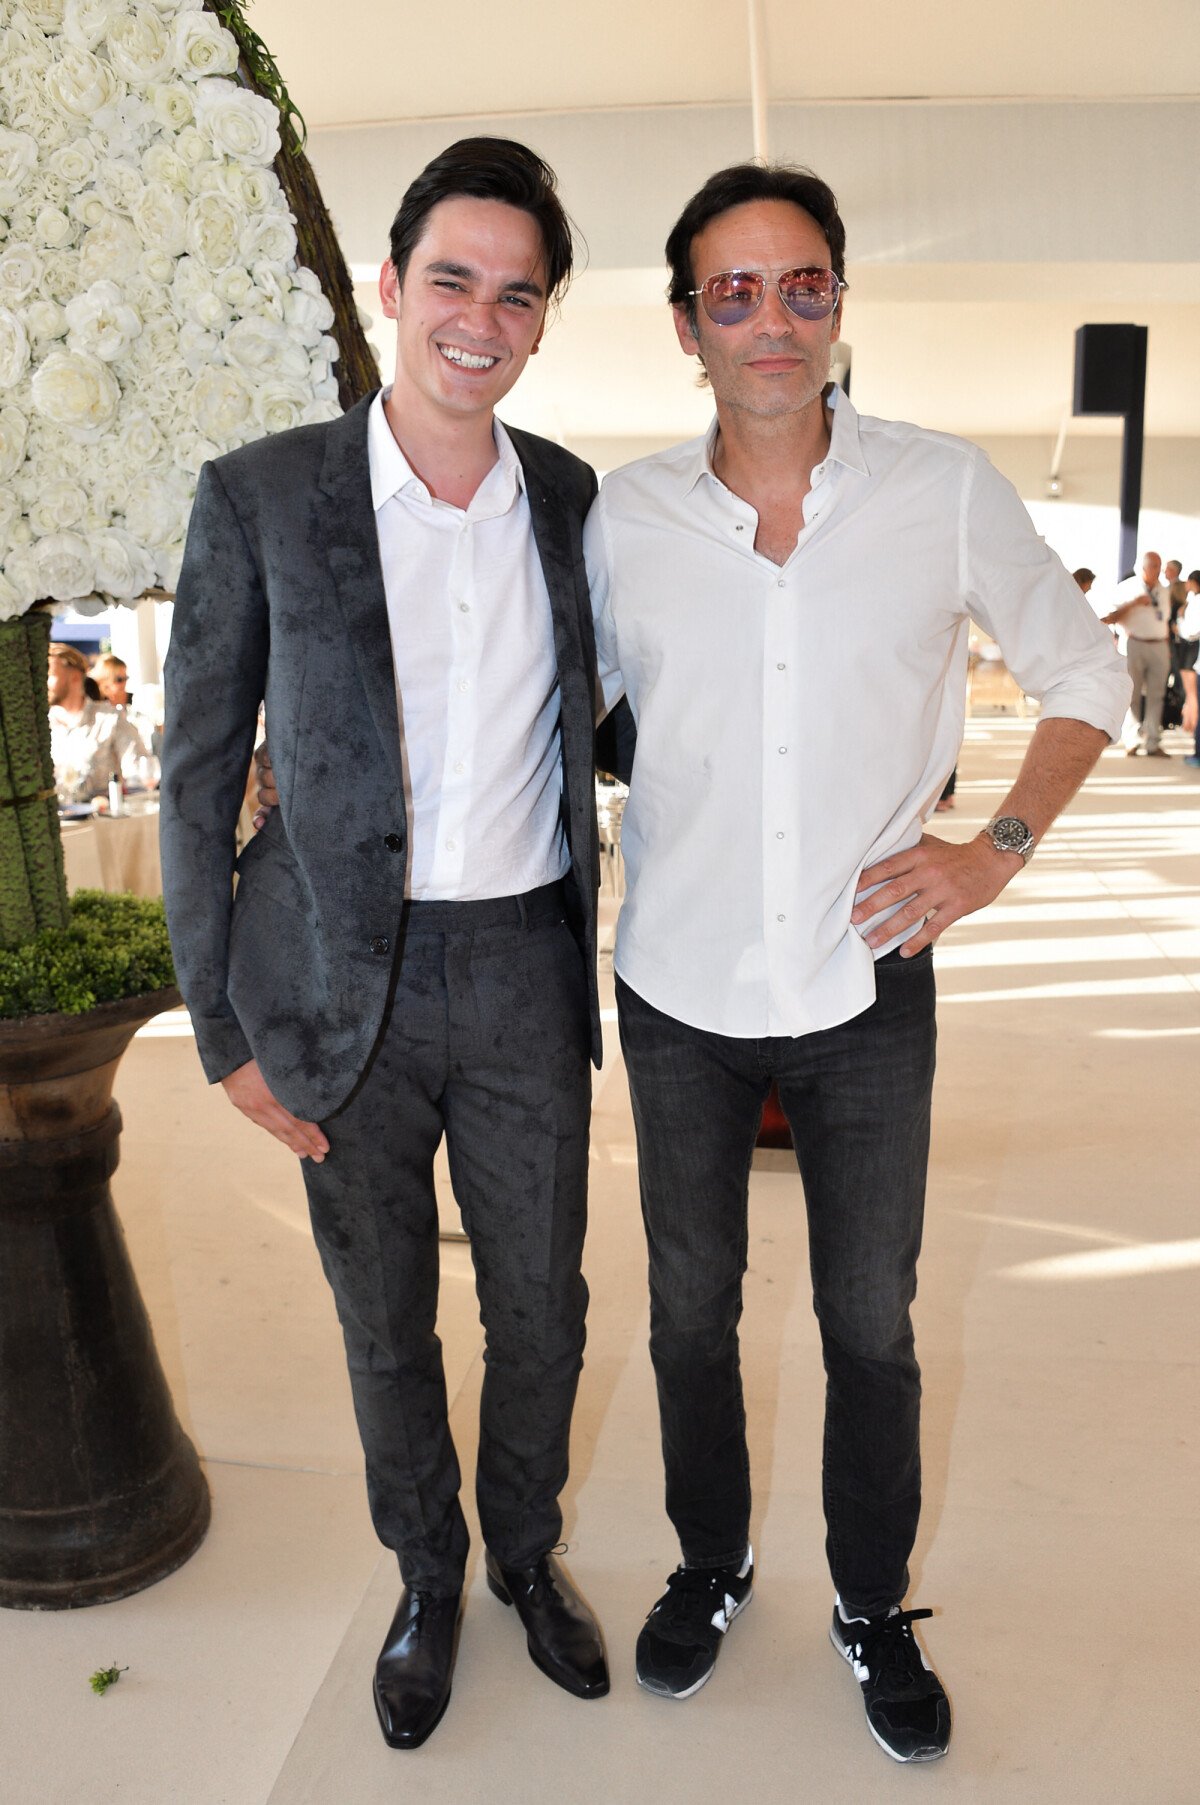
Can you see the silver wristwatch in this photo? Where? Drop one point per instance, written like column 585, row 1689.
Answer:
column 1008, row 833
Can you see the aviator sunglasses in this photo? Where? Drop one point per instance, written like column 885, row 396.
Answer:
column 733, row 295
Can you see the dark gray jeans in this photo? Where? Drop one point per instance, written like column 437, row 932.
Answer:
column 487, row 1041
column 857, row 1098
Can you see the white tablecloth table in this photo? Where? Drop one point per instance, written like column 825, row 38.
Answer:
column 114, row 854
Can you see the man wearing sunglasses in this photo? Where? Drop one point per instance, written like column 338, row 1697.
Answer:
column 798, row 569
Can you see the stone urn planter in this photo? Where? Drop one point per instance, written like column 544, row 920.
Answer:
column 101, row 1492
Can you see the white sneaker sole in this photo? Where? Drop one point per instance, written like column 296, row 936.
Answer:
column 664, row 1692
column 904, row 1760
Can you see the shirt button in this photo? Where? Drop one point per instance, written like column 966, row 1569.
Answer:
column 464, row 608
column 779, row 836
column 739, row 528
column 783, row 749
column 463, row 686
column 781, row 918
column 381, row 944
column 393, row 842
column 459, row 768
column 781, row 667
column 451, row 845
column 782, row 583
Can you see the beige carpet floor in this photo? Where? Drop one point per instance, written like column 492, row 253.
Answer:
column 1059, row 1330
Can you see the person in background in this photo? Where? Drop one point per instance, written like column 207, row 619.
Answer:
column 1143, row 610
column 110, row 674
column 91, row 742
column 1084, row 577
column 1188, row 630
column 1175, row 587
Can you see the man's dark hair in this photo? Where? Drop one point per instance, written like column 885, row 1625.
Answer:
column 489, row 169
column 1084, row 575
column 733, row 187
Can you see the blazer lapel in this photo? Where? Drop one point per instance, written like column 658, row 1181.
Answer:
column 344, row 528
column 552, row 532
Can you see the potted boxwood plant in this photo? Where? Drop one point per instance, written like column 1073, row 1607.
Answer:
column 165, row 263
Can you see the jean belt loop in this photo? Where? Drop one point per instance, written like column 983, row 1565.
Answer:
column 523, row 911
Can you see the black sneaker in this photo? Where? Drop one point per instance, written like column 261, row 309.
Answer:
column 681, row 1638
column 908, row 1712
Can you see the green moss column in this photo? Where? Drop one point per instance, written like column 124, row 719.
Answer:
column 33, row 889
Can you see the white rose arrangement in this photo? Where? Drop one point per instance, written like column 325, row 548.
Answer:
column 152, row 311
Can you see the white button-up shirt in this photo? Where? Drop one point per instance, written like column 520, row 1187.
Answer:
column 476, row 678
column 797, row 722
column 94, row 746
column 1144, row 623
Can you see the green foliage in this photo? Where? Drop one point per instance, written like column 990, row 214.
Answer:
column 104, row 1677
column 114, row 947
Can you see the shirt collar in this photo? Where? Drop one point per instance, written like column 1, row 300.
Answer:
column 391, row 471
column 845, row 442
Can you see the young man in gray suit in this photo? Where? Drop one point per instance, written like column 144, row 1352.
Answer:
column 410, row 950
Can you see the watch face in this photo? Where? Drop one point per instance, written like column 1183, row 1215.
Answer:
column 1010, row 835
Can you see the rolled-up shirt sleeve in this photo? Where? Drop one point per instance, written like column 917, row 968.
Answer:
column 1019, row 591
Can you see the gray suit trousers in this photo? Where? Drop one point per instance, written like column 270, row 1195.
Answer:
column 487, row 1041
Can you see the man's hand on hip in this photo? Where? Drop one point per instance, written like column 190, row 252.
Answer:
column 247, row 1088
column 268, row 795
column 937, row 881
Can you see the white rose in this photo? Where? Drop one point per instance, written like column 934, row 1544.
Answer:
column 140, row 48
column 220, row 405
column 10, row 509
column 145, row 297
column 203, row 47
column 101, row 323
column 197, row 347
column 172, row 105
column 161, row 164
column 44, row 320
column 64, row 565
column 261, row 348
column 14, row 428
column 119, row 184
column 21, row 575
column 54, row 229
column 280, row 405
column 80, row 84
column 87, row 208
column 157, row 266
column 210, row 312
column 268, row 239
column 189, row 450
column 127, row 125
column 60, row 504
column 212, row 231
column 123, row 568
column 78, row 393
column 160, row 216
column 237, row 122
column 20, row 272
column 74, row 163
column 14, row 349
column 170, row 563
column 310, row 314
column 233, row 285
column 192, row 147
column 160, row 341
column 254, row 190
column 168, row 8
column 152, row 510
column 60, row 275
column 139, row 441
column 85, row 22
column 272, row 285
column 109, row 251
column 11, row 604
column 317, row 411
column 107, row 498
column 18, row 160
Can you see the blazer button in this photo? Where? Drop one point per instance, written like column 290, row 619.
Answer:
column 381, row 944
column 393, row 842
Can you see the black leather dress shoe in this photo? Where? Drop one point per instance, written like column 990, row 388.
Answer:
column 564, row 1638
column 415, row 1667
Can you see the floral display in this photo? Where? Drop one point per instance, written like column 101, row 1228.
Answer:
column 152, row 311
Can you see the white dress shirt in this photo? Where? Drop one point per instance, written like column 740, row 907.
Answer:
column 94, row 746
column 1144, row 623
column 798, row 722
column 476, row 678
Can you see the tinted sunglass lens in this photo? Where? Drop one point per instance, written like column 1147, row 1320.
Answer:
column 809, row 294
column 730, row 298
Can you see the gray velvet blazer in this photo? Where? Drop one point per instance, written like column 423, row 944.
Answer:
column 281, row 598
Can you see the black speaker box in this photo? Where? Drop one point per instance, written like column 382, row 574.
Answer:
column 1110, row 369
